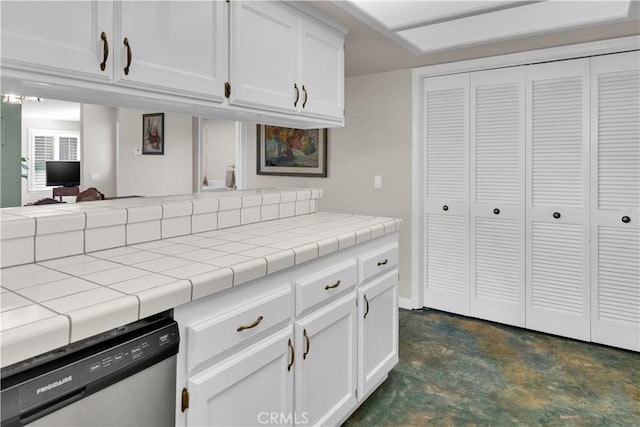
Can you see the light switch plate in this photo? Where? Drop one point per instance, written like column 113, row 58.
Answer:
column 137, row 151
column 377, row 181
column 95, row 176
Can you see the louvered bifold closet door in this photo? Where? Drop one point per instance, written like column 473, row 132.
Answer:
column 497, row 195
column 446, row 184
column 558, row 292
column 615, row 203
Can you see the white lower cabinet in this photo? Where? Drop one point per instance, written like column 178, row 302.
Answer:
column 325, row 383
column 252, row 387
column 377, row 332
column 255, row 355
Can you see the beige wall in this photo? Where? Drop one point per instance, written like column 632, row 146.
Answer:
column 376, row 140
column 154, row 175
column 98, row 139
column 27, row 123
column 219, row 148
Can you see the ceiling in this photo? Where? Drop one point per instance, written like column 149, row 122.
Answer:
column 387, row 35
column 50, row 109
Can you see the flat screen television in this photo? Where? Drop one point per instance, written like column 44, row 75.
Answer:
column 62, row 173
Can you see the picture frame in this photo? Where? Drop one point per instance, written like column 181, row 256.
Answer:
column 153, row 133
column 291, row 152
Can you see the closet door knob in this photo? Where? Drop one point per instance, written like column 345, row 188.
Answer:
column 556, row 215
column 496, row 211
column 445, row 208
column 626, row 219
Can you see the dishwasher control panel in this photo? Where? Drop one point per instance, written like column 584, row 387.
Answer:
column 87, row 369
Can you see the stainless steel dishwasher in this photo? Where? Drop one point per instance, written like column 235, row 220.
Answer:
column 124, row 377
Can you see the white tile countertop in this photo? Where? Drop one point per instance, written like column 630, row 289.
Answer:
column 48, row 304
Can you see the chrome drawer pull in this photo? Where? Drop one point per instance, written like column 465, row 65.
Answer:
column 335, row 285
column 250, row 325
column 386, row 260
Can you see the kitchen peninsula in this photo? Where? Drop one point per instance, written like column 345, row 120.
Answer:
column 263, row 287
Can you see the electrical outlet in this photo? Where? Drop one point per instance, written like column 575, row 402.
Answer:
column 377, row 181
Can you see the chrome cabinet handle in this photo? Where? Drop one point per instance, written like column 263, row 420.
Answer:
column 308, row 345
column 335, row 285
column 556, row 215
column 126, row 43
column 250, row 325
column 295, row 86
column 366, row 301
column 293, row 355
column 626, row 219
column 306, row 96
column 105, row 51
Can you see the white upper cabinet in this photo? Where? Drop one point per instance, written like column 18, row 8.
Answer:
column 69, row 38
column 558, row 198
column 282, row 61
column 321, row 72
column 615, row 204
column 263, row 60
column 176, row 47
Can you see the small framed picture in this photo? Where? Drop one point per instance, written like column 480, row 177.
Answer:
column 291, row 152
column 153, row 133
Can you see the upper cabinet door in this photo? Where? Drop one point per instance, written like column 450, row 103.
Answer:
column 263, row 60
column 321, row 72
column 59, row 38
column 177, row 47
column 615, row 201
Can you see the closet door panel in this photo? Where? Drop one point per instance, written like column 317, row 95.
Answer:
column 557, row 238
column 446, row 175
column 615, row 164
column 497, row 228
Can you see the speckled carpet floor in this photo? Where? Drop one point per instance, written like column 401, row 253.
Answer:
column 458, row 371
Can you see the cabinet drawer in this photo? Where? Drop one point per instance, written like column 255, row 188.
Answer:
column 325, row 285
column 375, row 262
column 239, row 324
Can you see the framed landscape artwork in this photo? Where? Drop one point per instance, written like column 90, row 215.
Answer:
column 153, row 133
column 291, row 152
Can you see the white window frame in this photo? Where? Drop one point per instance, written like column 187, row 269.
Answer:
column 56, row 134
